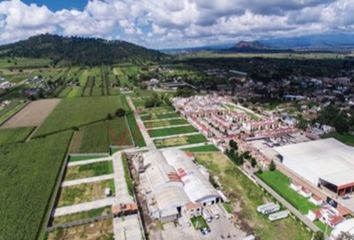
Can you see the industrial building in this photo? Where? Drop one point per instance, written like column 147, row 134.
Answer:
column 326, row 163
column 172, row 182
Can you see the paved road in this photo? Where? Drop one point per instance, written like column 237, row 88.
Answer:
column 127, row 228
column 86, row 180
column 84, row 206
column 280, row 199
column 176, row 135
column 122, row 193
column 84, row 162
column 149, row 142
column 172, row 126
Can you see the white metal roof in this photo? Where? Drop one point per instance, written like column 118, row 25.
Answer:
column 327, row 159
column 346, row 226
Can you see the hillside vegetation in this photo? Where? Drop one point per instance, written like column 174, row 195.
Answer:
column 79, row 51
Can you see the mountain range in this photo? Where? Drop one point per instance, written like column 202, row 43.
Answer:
column 314, row 42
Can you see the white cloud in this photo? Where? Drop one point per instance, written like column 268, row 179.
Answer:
column 164, row 23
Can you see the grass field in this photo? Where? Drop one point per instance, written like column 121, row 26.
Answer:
column 245, row 196
column 89, row 170
column 159, row 116
column 280, row 183
column 81, row 215
column 171, row 131
column 76, row 158
column 72, row 112
column 12, row 135
column 179, row 141
column 205, row 148
column 97, row 138
column 24, row 62
column 27, row 179
column 138, row 138
column 84, row 192
column 346, row 138
column 165, row 123
column 199, row 222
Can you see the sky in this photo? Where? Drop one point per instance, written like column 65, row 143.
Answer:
column 174, row 23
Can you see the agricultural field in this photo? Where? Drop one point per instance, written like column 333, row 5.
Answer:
column 147, row 117
column 281, row 184
column 10, row 110
column 24, row 63
column 89, row 170
column 12, row 135
column 76, row 112
column 33, row 114
column 38, row 163
column 165, row 123
column 102, row 230
column 244, row 198
column 171, row 131
column 179, row 141
column 81, row 215
column 138, row 138
column 83, row 157
column 205, row 148
column 157, row 110
column 87, row 192
column 97, row 137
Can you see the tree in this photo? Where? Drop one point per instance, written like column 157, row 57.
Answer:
column 109, row 116
column 120, row 112
column 272, row 166
column 184, row 92
column 319, row 236
column 233, row 144
column 253, row 162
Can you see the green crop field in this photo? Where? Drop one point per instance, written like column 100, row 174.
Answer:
column 89, row 170
column 98, row 137
column 165, row 123
column 205, row 148
column 83, row 157
column 11, row 110
column 281, row 184
column 27, row 180
column 171, row 131
column 138, row 138
column 159, row 116
column 12, row 135
column 24, row 62
column 79, row 111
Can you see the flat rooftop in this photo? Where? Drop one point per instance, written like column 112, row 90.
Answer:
column 326, row 159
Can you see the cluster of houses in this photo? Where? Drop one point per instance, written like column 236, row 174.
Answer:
column 325, row 213
column 221, row 120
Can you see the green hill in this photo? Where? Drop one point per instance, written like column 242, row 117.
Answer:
column 79, row 51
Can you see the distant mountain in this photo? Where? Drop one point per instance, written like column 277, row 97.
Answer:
column 249, row 44
column 328, row 41
column 79, row 51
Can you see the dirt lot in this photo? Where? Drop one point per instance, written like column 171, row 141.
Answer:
column 102, row 230
column 33, row 114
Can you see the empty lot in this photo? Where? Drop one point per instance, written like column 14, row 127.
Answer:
column 33, row 114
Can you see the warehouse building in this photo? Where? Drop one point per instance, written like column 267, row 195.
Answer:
column 171, row 181
column 325, row 163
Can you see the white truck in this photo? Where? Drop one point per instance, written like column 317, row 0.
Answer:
column 207, row 216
